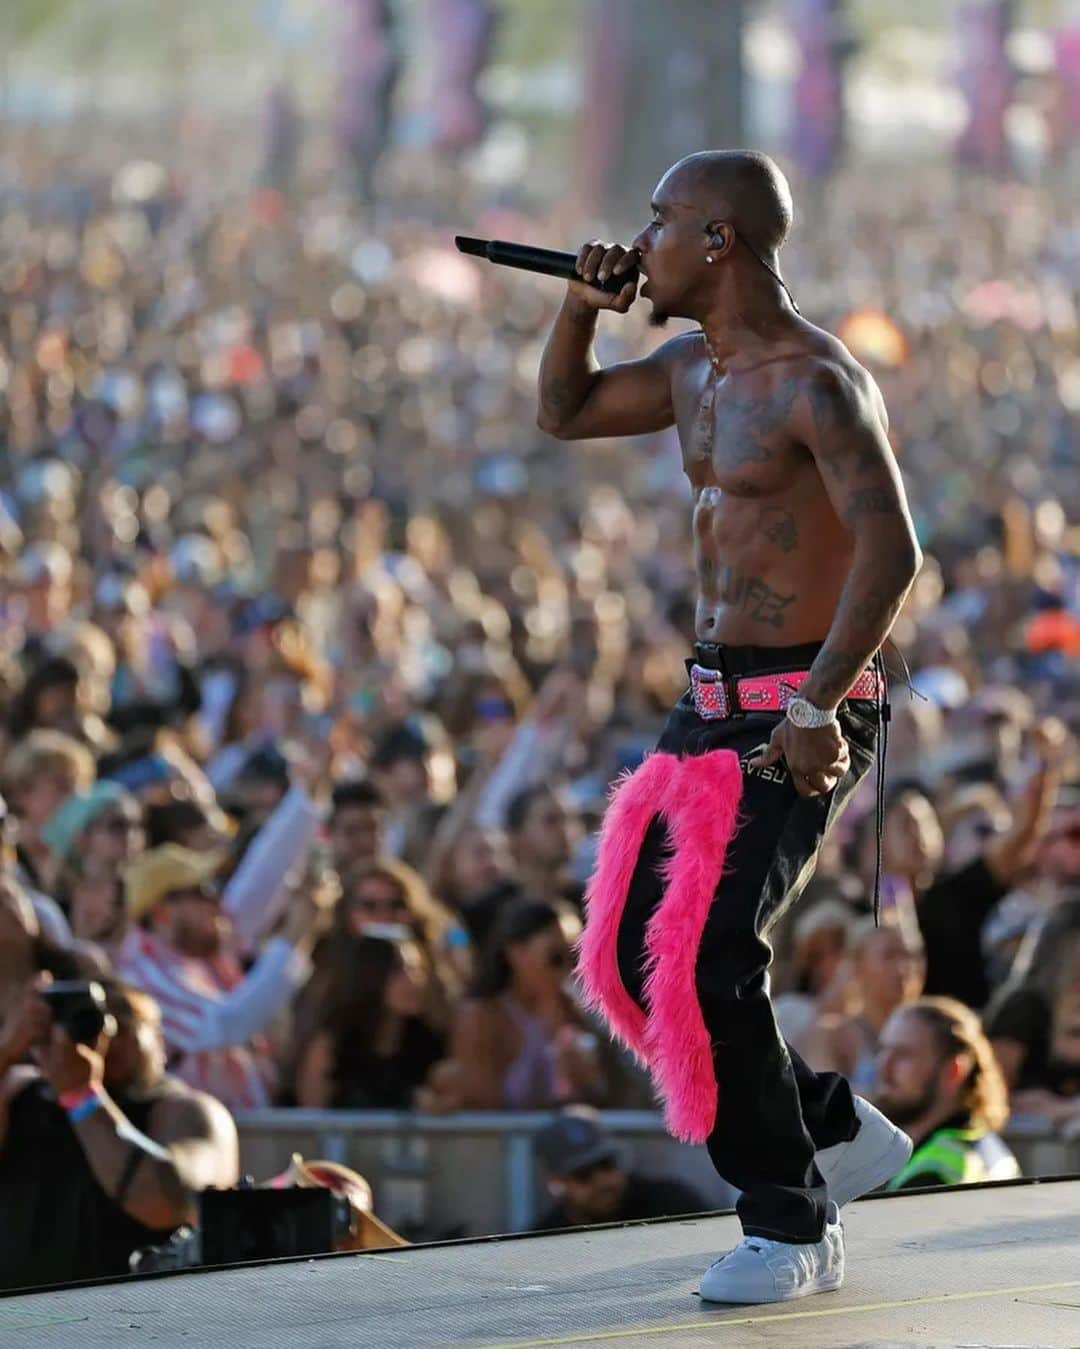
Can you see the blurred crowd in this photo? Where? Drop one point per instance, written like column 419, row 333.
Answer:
column 317, row 658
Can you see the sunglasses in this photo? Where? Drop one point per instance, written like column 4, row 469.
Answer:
column 120, row 824
column 363, row 904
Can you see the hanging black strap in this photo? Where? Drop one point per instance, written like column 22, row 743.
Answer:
column 883, row 714
column 131, row 1165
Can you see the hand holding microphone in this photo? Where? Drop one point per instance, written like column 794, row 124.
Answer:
column 608, row 272
column 598, row 262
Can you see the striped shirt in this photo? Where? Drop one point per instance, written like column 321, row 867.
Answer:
column 212, row 1014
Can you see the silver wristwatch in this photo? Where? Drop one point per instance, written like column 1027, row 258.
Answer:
column 808, row 717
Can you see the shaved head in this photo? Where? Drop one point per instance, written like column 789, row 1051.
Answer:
column 719, row 219
column 743, row 187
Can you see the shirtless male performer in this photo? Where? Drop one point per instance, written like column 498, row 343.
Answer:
column 804, row 552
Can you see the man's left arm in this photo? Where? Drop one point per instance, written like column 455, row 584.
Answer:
column 841, row 421
column 843, row 425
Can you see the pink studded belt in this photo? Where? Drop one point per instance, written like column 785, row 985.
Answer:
column 716, row 697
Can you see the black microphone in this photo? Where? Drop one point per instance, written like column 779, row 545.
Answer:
column 547, row 261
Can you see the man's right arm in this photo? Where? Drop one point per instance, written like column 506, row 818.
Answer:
column 578, row 401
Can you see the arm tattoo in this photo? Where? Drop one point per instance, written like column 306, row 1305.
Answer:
column 560, row 398
column 869, row 501
column 836, row 420
column 873, row 608
column 833, row 673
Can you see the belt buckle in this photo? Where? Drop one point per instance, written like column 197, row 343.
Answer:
column 710, row 694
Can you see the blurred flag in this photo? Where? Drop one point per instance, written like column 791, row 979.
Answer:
column 825, row 43
column 1067, row 60
column 985, row 78
column 369, row 69
column 463, row 33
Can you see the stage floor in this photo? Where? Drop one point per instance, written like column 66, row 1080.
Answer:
column 984, row 1266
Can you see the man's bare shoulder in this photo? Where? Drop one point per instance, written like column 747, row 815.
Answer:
column 830, row 372
column 186, row 1112
column 681, row 351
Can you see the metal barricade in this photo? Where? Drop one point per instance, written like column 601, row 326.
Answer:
column 472, row 1174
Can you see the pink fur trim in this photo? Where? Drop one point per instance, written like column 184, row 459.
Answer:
column 635, row 799
column 701, row 808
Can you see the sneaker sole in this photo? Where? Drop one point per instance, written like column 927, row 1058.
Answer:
column 826, row 1284
column 876, row 1172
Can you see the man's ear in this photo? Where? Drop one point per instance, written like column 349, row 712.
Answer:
column 720, row 237
column 957, row 1069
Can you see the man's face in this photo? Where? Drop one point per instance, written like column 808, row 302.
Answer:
column 192, row 921
column 545, row 836
column 136, row 1054
column 910, row 1069
column 673, row 247
column 594, row 1193
column 356, row 836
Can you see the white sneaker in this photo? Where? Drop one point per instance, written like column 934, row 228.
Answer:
column 871, row 1158
column 761, row 1270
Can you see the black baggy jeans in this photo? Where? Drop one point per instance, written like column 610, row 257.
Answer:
column 774, row 1111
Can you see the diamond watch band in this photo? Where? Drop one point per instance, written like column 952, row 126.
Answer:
column 807, row 717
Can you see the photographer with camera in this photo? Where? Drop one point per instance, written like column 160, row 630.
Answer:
column 102, row 1152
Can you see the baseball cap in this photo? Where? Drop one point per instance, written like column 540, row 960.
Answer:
column 574, row 1140
column 163, row 869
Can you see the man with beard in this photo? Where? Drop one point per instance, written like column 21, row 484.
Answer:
column 940, row 1081
column 804, row 550
column 180, row 951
